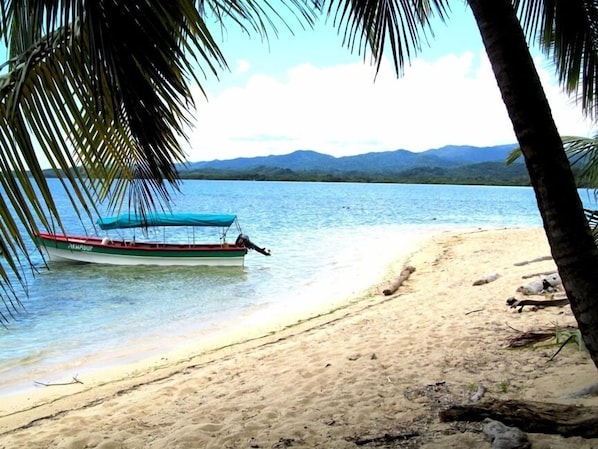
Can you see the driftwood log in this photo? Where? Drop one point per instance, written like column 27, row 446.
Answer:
column 74, row 381
column 394, row 286
column 534, row 275
column 530, row 416
column 532, row 302
column 386, row 438
column 537, row 259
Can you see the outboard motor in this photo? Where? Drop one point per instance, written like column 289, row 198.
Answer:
column 243, row 240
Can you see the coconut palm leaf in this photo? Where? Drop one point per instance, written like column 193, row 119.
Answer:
column 567, row 33
column 592, row 217
column 372, row 26
column 101, row 90
column 582, row 153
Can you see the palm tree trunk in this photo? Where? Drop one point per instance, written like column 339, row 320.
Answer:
column 569, row 236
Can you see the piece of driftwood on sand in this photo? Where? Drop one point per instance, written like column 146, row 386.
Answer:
column 486, row 279
column 533, row 275
column 72, row 382
column 547, row 284
column 537, row 259
column 394, row 286
column 530, row 416
column 513, row 303
column 387, row 438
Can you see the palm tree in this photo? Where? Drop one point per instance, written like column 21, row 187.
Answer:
column 567, row 31
column 569, row 235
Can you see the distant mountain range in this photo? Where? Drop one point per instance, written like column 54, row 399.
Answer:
column 447, row 157
column 451, row 164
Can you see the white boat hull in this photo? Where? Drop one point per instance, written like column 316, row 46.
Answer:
column 95, row 250
column 57, row 254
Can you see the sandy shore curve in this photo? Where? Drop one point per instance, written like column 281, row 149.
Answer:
column 377, row 366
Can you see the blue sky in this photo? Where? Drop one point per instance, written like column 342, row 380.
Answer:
column 306, row 91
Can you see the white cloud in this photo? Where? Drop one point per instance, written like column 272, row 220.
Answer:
column 242, row 66
column 341, row 110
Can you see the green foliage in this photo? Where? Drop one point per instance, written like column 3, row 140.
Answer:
column 472, row 387
column 569, row 336
column 488, row 173
column 503, row 386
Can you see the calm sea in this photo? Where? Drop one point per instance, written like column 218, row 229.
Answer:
column 328, row 241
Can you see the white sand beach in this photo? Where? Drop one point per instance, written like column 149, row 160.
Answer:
column 361, row 375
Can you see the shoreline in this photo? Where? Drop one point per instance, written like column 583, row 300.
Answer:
column 255, row 323
column 320, row 291
column 363, row 368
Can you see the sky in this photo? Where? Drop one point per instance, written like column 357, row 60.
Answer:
column 305, row 91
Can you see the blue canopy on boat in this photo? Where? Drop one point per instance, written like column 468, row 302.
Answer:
column 140, row 221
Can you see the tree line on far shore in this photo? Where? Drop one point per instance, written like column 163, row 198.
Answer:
column 487, row 173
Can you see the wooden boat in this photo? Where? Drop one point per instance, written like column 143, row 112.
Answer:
column 121, row 251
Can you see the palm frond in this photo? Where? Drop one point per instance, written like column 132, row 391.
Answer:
column 400, row 24
column 582, row 153
column 592, row 218
column 101, row 90
column 513, row 155
column 567, row 33
column 253, row 17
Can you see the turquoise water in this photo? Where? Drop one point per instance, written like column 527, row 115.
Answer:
column 327, row 239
